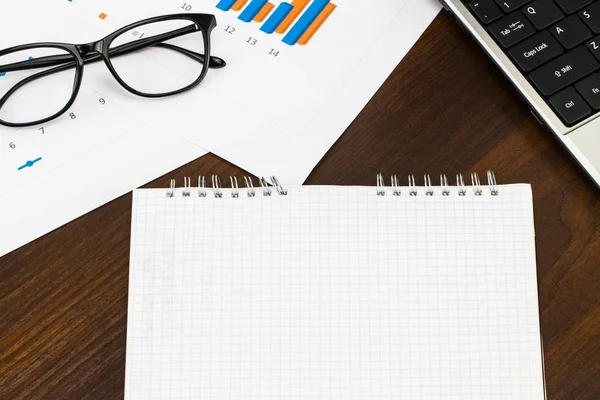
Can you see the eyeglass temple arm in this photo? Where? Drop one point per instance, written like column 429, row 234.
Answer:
column 49, row 61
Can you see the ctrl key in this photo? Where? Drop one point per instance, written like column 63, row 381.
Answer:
column 570, row 106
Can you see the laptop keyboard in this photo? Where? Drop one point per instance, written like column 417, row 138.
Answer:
column 555, row 44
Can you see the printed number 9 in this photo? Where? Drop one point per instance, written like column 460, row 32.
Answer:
column 102, row 101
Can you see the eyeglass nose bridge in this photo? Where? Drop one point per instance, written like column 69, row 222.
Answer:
column 93, row 47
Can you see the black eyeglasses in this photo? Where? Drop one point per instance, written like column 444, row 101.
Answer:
column 156, row 57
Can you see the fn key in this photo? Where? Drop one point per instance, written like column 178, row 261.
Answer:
column 570, row 106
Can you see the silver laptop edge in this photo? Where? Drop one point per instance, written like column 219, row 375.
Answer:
column 582, row 140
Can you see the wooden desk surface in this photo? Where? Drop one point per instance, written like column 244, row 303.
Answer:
column 63, row 298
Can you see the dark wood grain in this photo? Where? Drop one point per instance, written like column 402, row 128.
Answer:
column 63, row 298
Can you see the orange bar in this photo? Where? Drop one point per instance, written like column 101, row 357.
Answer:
column 317, row 24
column 299, row 6
column 239, row 4
column 262, row 14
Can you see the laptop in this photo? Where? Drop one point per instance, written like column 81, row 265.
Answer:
column 550, row 51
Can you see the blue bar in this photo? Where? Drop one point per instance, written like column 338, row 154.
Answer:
column 226, row 5
column 2, row 74
column 277, row 18
column 252, row 10
column 305, row 21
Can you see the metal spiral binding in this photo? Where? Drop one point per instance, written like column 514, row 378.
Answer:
column 250, row 191
column 171, row 192
column 201, row 186
column 430, row 189
column 412, row 185
column 460, row 183
column 492, row 182
column 444, row 185
column 265, row 187
column 396, row 185
column 235, row 189
column 428, row 186
column 216, row 184
column 476, row 183
column 380, row 185
column 187, row 187
column 278, row 186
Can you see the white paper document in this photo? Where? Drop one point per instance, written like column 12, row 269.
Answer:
column 333, row 293
column 297, row 75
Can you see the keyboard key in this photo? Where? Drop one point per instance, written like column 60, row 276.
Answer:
column 535, row 51
column 594, row 46
column 570, row 6
column 543, row 13
column 511, row 5
column 571, row 32
column 590, row 90
column 570, row 106
column 512, row 29
column 591, row 16
column 486, row 10
column 564, row 70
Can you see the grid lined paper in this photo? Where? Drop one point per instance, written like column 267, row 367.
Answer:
column 333, row 293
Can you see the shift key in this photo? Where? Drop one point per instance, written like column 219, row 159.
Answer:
column 564, row 70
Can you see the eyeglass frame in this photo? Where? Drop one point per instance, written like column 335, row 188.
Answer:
column 205, row 23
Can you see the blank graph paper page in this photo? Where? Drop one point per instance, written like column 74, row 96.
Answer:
column 333, row 293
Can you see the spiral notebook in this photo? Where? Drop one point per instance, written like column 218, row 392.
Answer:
column 383, row 292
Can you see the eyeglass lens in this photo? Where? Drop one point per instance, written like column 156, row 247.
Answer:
column 37, row 93
column 160, row 68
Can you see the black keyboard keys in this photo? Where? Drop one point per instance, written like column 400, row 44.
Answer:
column 594, row 46
column 486, row 10
column 511, row 5
column 591, row 16
column 571, row 31
column 564, row 70
column 570, row 106
column 535, row 51
column 570, row 6
column 589, row 88
column 543, row 13
column 512, row 29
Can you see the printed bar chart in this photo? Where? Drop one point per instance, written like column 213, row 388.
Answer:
column 277, row 18
column 299, row 20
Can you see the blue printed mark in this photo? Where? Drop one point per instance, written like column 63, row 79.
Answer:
column 29, row 163
column 2, row 74
column 226, row 5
